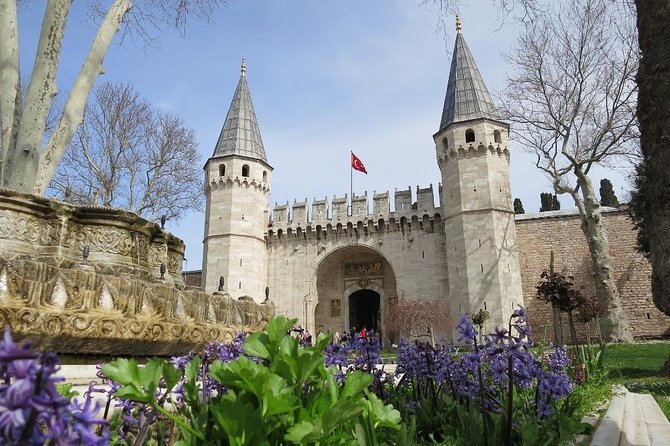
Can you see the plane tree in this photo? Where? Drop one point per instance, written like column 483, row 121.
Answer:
column 29, row 155
column 571, row 97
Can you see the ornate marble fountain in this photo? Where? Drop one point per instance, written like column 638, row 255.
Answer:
column 94, row 280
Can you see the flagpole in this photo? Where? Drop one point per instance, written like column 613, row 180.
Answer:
column 351, row 182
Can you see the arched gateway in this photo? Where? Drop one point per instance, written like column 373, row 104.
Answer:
column 354, row 285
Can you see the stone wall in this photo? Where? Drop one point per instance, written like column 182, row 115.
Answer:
column 105, row 281
column 559, row 231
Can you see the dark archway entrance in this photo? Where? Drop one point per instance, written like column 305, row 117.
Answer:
column 365, row 310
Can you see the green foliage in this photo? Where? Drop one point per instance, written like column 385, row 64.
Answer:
column 607, row 196
column 558, row 429
column 640, row 208
column 65, row 390
column 277, row 394
column 664, row 403
column 549, row 202
column 634, row 361
column 518, row 206
column 591, row 361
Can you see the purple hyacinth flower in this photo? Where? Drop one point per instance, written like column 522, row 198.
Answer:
column 466, row 330
column 9, row 351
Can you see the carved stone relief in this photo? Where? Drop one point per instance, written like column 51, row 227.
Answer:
column 109, row 302
column 374, row 268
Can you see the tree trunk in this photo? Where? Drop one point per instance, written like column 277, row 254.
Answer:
column 615, row 325
column 10, row 85
column 555, row 314
column 653, row 112
column 74, row 107
column 24, row 157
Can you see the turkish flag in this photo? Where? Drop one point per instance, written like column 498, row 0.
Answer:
column 357, row 164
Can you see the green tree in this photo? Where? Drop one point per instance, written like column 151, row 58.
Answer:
column 518, row 206
column 607, row 197
column 650, row 204
column 549, row 202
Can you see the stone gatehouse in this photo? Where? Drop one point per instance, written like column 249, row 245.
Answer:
column 339, row 264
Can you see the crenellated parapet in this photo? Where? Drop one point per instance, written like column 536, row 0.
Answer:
column 229, row 182
column 472, row 151
column 413, row 211
column 99, row 280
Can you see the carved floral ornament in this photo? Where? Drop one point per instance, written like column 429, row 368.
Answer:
column 26, row 229
column 364, row 283
column 102, row 306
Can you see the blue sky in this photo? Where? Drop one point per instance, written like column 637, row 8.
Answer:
column 325, row 77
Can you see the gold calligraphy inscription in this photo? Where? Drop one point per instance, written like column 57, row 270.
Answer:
column 363, row 269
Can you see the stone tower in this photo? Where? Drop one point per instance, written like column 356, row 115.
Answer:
column 472, row 153
column 237, row 188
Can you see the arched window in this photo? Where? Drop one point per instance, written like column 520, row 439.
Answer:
column 245, row 170
column 265, row 176
column 496, row 136
column 445, row 144
column 222, row 170
column 469, row 135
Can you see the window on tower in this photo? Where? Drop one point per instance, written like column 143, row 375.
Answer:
column 245, row 170
column 265, row 176
column 496, row 136
column 469, row 135
column 222, row 170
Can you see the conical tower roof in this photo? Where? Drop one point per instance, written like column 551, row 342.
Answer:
column 467, row 96
column 240, row 134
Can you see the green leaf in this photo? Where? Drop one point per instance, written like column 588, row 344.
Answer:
column 192, row 368
column 171, row 375
column 242, row 374
column 322, row 341
column 241, row 422
column 137, row 384
column 381, row 415
column 132, row 393
column 530, row 433
column 277, row 398
column 123, row 371
column 256, row 345
column 299, row 431
column 278, row 327
column 355, row 383
column 309, row 360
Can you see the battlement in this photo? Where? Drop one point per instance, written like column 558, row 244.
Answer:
column 229, row 181
column 407, row 205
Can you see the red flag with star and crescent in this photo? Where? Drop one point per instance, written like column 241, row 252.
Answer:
column 357, row 164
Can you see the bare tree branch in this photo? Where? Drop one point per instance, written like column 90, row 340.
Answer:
column 572, row 98
column 127, row 155
column 25, row 164
column 407, row 318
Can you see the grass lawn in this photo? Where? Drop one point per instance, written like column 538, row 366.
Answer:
column 636, row 361
column 637, row 366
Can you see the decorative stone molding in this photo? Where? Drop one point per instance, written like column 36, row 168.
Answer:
column 85, row 280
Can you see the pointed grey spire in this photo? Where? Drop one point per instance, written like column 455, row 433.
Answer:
column 240, row 134
column 467, row 97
